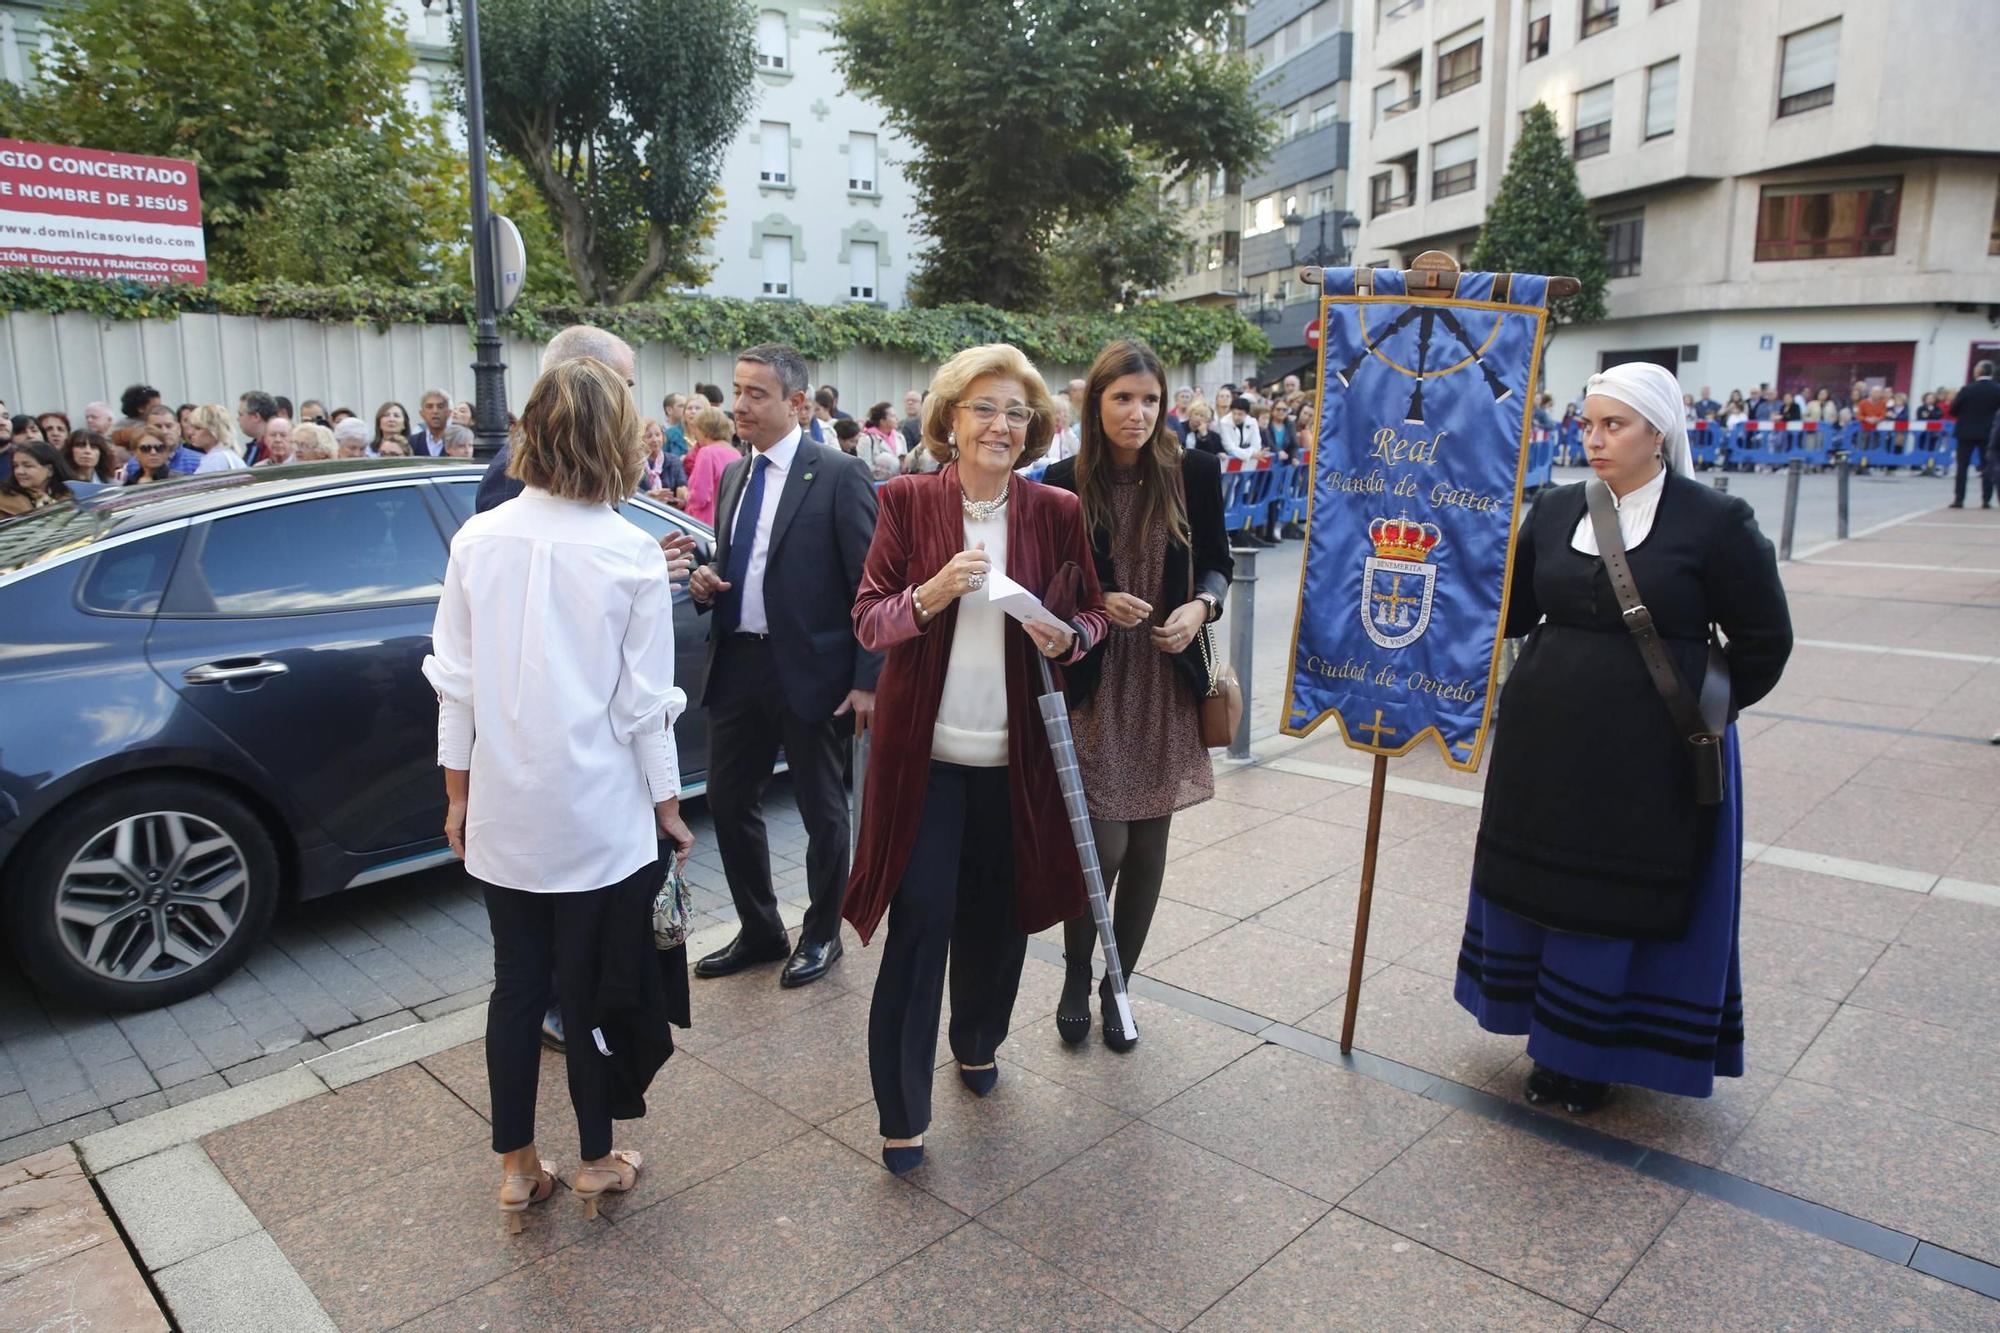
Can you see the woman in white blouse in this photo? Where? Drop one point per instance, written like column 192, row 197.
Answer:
column 553, row 659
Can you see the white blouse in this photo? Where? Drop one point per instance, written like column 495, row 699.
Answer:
column 1635, row 517
column 972, row 713
column 553, row 660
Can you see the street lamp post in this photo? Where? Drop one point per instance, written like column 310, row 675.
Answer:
column 489, row 372
column 1350, row 232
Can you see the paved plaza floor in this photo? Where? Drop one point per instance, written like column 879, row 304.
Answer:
column 323, row 1162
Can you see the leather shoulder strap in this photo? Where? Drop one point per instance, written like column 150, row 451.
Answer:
column 1638, row 620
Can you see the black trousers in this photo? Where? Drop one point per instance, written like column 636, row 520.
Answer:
column 535, row 934
column 956, row 903
column 747, row 722
column 1988, row 473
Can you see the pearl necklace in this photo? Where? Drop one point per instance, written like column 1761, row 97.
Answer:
column 981, row 510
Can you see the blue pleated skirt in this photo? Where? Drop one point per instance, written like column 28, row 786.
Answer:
column 1660, row 1014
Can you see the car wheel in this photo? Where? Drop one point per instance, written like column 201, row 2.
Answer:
column 143, row 894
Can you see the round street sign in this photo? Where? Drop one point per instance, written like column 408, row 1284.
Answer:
column 1312, row 333
column 510, row 262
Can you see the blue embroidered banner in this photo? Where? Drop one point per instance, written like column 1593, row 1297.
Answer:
column 1425, row 405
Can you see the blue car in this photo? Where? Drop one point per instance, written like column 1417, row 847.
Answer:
column 211, row 702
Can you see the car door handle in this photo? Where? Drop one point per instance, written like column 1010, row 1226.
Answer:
column 217, row 673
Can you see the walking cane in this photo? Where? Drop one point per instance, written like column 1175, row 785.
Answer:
column 859, row 767
column 1062, row 745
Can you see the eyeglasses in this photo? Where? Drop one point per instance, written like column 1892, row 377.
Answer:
column 1018, row 418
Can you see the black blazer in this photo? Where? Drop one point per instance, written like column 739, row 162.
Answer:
column 819, row 541
column 1975, row 410
column 496, row 487
column 1201, row 473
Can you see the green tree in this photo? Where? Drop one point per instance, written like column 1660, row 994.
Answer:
column 351, row 210
column 621, row 112
column 250, row 90
column 1027, row 113
column 1108, row 259
column 1541, row 223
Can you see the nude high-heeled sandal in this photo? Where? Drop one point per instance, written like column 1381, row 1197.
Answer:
column 518, row 1193
column 592, row 1183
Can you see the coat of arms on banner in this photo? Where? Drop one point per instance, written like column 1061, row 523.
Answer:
column 1398, row 582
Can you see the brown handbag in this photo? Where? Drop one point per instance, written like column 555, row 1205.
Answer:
column 1222, row 703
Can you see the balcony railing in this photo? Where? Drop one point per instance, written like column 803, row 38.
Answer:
column 1410, row 103
column 1389, row 203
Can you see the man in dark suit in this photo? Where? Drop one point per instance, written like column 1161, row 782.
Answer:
column 793, row 522
column 427, row 440
column 1974, row 412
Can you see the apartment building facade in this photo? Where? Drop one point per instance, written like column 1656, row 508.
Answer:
column 816, row 207
column 1794, row 192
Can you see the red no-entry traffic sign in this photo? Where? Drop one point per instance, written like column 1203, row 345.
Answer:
column 1312, row 333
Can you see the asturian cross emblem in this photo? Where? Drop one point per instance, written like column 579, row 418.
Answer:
column 1398, row 581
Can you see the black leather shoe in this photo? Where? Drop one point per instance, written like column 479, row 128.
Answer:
column 1114, row 1029
column 809, row 963
column 740, row 954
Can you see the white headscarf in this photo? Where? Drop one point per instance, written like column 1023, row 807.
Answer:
column 1654, row 393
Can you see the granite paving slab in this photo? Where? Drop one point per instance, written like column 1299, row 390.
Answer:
column 1951, row 988
column 1821, row 962
column 1410, row 1016
column 1868, row 910
column 773, row 1239
column 814, row 1064
column 1700, row 1129
column 1241, row 882
column 1543, row 1216
column 1780, row 1023
column 1266, row 971
column 973, row 1281
column 1937, row 1070
column 1207, row 1223
column 1719, row 1268
column 1175, row 1051
column 1397, row 922
column 93, row 1288
column 1350, row 1275
column 1316, row 1127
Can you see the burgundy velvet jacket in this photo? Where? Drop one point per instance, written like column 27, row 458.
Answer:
column 920, row 527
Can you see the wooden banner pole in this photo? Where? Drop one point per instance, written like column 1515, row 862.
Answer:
column 1378, row 781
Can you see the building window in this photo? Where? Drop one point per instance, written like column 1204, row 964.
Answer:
column 1993, row 236
column 1593, row 122
column 1538, row 28
column 777, row 266
column 1324, row 116
column 860, row 270
column 1811, row 59
column 1458, row 68
column 1385, row 97
column 1455, row 164
column 1319, row 201
column 1599, row 16
column 861, row 163
column 1829, row 219
column 1624, row 239
column 1292, row 122
column 775, row 138
column 1263, row 216
column 773, row 43
column 1379, row 194
column 1663, row 89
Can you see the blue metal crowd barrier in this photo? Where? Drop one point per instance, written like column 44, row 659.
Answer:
column 1923, row 445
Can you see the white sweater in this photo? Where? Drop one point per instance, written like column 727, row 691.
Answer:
column 972, row 714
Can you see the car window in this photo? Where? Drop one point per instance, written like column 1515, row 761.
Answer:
column 649, row 521
column 128, row 580
column 462, row 496
column 355, row 548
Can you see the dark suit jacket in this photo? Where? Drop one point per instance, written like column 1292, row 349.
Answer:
column 423, row 446
column 1975, row 409
column 819, row 543
column 496, row 487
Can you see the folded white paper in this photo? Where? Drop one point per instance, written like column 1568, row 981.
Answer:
column 1021, row 604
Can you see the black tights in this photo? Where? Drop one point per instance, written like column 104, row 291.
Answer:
column 1134, row 856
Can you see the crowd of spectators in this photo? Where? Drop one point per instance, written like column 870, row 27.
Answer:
column 1863, row 401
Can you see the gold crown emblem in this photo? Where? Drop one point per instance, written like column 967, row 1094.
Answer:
column 1403, row 539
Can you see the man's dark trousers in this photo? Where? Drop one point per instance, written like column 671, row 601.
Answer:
column 1987, row 473
column 747, row 723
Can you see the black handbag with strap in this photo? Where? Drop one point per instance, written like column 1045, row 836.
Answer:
column 1701, row 723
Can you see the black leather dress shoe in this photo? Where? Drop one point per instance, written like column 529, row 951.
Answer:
column 552, row 1030
column 809, row 963
column 739, row 954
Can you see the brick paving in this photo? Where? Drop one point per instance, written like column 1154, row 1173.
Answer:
column 1234, row 1172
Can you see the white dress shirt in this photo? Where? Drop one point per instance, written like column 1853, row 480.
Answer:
column 1239, row 441
column 753, row 620
column 1635, row 517
column 971, row 726
column 553, row 659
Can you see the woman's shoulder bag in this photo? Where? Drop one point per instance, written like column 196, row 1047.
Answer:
column 1700, row 722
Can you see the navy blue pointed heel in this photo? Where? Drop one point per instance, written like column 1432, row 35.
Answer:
column 981, row 1081
column 902, row 1161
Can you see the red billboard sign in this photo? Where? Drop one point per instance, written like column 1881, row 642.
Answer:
column 95, row 214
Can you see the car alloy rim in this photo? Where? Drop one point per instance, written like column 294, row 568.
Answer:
column 152, row 896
